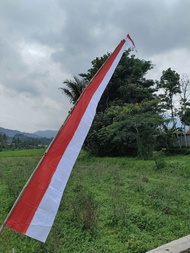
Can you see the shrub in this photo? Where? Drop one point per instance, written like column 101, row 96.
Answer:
column 159, row 160
column 84, row 208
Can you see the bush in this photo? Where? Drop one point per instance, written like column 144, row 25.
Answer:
column 159, row 160
column 180, row 151
column 84, row 208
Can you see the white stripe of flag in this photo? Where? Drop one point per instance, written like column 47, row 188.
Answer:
column 40, row 224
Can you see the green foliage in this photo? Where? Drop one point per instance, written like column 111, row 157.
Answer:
column 84, row 208
column 184, row 110
column 169, row 81
column 127, row 117
column 159, row 159
column 14, row 167
column 167, row 137
column 127, row 85
column 109, row 205
column 3, row 140
column 179, row 151
column 20, row 141
column 125, row 130
column 170, row 85
column 186, row 117
column 74, row 88
column 96, row 65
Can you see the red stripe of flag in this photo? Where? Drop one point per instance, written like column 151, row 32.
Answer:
column 25, row 209
column 27, row 205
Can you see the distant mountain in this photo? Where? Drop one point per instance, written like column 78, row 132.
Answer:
column 12, row 133
column 39, row 134
column 46, row 133
column 9, row 132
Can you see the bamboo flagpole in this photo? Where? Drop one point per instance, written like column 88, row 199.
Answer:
column 34, row 211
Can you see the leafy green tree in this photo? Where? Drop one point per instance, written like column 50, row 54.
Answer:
column 184, row 93
column 169, row 88
column 127, row 85
column 167, row 136
column 130, row 129
column 170, row 85
column 3, row 141
column 184, row 103
column 186, row 117
column 74, row 88
column 127, row 117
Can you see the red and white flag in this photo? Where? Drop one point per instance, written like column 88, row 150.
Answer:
column 34, row 211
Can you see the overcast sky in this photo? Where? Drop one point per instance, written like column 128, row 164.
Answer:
column 44, row 42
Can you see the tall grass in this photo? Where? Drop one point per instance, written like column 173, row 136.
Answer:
column 109, row 205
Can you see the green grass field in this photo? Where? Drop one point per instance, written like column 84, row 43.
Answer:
column 109, row 205
column 22, row 153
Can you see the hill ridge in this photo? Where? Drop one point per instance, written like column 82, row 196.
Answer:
column 38, row 134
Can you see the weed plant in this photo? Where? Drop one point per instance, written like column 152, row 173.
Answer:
column 109, row 205
column 159, row 158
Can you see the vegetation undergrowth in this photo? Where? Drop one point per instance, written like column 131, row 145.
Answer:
column 109, row 205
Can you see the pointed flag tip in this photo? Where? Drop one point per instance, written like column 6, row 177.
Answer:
column 129, row 37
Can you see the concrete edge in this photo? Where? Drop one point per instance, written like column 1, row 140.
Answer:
column 176, row 246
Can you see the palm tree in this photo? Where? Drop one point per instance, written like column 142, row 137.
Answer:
column 74, row 88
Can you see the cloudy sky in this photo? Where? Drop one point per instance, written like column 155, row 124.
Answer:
column 44, row 42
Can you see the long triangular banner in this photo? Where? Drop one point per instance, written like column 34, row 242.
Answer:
column 34, row 211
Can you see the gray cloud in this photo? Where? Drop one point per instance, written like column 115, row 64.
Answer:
column 45, row 42
column 155, row 26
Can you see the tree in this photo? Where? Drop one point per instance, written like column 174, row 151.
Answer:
column 127, row 116
column 74, row 88
column 170, row 85
column 3, row 141
column 186, row 117
column 184, row 104
column 130, row 129
column 128, row 84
